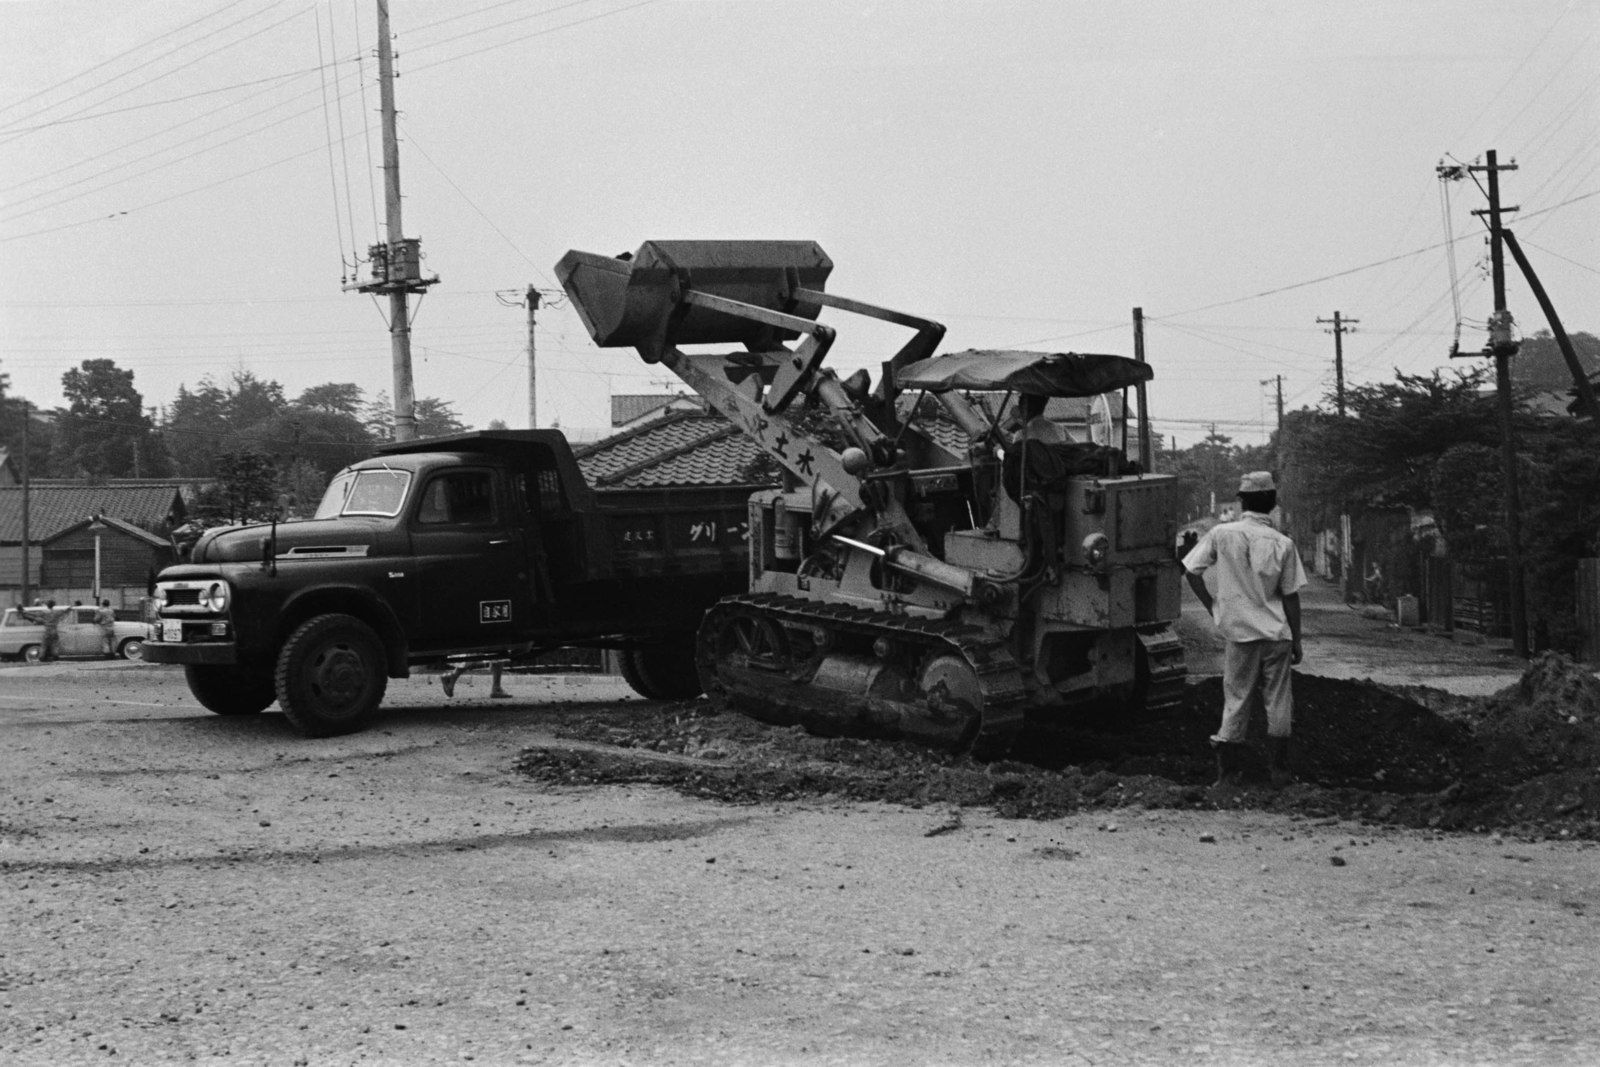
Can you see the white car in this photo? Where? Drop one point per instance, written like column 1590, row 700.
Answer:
column 21, row 638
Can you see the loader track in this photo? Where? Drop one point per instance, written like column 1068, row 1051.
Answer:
column 999, row 679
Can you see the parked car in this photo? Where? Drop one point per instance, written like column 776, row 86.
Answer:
column 23, row 639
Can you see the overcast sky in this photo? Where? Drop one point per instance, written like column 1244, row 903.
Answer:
column 183, row 184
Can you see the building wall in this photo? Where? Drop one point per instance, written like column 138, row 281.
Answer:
column 124, row 561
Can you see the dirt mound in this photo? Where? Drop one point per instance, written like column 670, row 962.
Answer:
column 1526, row 761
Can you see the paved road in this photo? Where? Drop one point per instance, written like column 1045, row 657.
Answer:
column 184, row 887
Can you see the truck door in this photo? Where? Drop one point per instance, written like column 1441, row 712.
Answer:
column 474, row 583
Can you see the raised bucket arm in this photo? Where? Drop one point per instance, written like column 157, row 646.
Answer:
column 758, row 294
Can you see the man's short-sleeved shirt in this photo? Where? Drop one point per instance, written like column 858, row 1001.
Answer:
column 1256, row 567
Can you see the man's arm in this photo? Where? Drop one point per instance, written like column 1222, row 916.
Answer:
column 1197, row 582
column 1291, row 610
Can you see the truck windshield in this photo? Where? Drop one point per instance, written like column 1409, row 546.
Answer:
column 379, row 492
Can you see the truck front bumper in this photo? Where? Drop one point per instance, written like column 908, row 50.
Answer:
column 191, row 652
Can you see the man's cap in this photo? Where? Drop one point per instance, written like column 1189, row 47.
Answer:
column 1257, row 482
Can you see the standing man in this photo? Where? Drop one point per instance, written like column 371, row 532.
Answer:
column 1257, row 611
column 50, row 616
column 106, row 619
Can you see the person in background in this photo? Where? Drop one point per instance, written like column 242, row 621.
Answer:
column 449, row 678
column 50, row 616
column 1257, row 611
column 106, row 619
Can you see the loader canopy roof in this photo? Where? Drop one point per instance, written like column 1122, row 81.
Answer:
column 1037, row 373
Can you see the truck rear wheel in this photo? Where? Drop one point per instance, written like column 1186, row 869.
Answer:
column 230, row 690
column 662, row 672
column 331, row 675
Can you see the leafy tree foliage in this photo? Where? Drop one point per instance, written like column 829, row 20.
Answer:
column 323, row 440
column 1209, row 471
column 245, row 489
column 341, row 398
column 1385, row 451
column 104, row 432
column 1540, row 367
column 435, row 417
column 1433, row 442
column 39, row 434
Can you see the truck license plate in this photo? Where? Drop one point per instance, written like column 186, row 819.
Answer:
column 172, row 631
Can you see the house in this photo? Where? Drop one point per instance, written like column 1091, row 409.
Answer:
column 103, row 540
column 629, row 411
column 8, row 469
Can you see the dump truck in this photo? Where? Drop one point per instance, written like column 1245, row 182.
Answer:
column 925, row 572
column 447, row 551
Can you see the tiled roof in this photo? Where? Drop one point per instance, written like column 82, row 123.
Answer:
column 152, row 506
column 135, row 532
column 629, row 407
column 690, row 448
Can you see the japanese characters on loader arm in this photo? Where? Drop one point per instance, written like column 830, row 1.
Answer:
column 900, row 586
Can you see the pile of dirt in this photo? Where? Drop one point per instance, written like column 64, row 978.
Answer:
column 1525, row 761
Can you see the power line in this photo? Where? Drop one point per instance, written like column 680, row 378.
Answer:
column 156, row 59
column 120, row 55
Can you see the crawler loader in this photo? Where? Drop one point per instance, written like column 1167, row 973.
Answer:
column 924, row 573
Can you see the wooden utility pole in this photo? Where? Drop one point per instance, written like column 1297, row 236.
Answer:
column 1146, row 451
column 397, row 265
column 1341, row 326
column 533, row 388
column 1279, row 380
column 1505, row 347
column 25, row 482
column 1502, row 346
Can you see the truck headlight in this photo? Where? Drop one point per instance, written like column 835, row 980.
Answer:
column 1096, row 547
column 215, row 597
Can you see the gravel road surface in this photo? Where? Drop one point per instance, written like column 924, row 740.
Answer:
column 183, row 887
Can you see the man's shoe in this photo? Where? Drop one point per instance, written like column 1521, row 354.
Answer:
column 1229, row 772
column 1278, row 761
column 448, row 683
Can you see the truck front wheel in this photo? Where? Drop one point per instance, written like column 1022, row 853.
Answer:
column 662, row 672
column 230, row 690
column 331, row 675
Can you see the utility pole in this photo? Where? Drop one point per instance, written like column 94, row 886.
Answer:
column 397, row 265
column 1502, row 346
column 1146, row 452
column 533, row 390
column 1341, row 326
column 1279, row 380
column 25, row 583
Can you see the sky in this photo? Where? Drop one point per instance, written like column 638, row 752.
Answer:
column 185, row 185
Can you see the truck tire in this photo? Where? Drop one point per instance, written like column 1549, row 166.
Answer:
column 230, row 690
column 331, row 675
column 662, row 672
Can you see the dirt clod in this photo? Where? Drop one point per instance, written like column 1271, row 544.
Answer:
column 1525, row 761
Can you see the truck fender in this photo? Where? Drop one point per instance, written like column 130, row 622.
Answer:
column 349, row 600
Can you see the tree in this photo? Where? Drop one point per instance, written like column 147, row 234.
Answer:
column 197, row 428
column 341, row 398
column 252, row 400
column 325, row 440
column 104, row 431
column 1384, row 451
column 1540, row 367
column 435, row 417
column 1433, row 443
column 211, row 420
column 39, row 434
column 246, row 489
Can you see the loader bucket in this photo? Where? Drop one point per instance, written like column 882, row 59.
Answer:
column 628, row 300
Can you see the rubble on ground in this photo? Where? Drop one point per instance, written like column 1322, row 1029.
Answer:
column 1525, row 761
